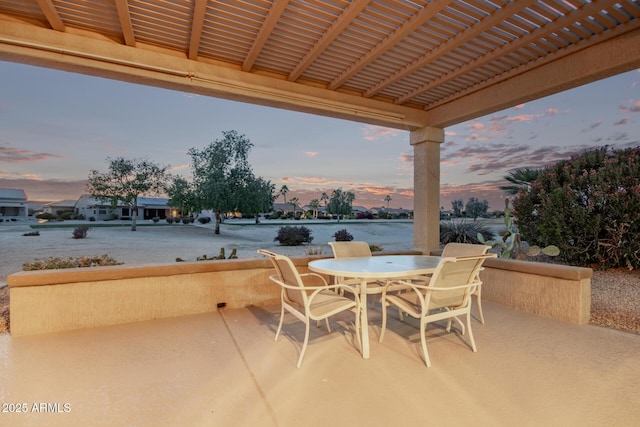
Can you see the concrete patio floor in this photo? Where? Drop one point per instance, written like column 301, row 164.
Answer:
column 224, row 369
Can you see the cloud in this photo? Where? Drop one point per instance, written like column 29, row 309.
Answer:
column 15, row 155
column 376, row 133
column 592, row 126
column 622, row 121
column 47, row 190
column 311, row 153
column 635, row 107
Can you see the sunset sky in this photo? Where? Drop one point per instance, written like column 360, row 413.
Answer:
column 57, row 126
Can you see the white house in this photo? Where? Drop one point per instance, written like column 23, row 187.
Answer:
column 13, row 203
column 59, row 206
column 148, row 208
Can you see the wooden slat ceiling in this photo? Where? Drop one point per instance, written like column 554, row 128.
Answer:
column 417, row 54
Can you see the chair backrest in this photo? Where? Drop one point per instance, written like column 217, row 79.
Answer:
column 287, row 274
column 464, row 249
column 350, row 249
column 460, row 271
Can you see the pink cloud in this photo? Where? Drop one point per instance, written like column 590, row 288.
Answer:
column 15, row 155
column 635, row 107
column 311, row 153
column 376, row 133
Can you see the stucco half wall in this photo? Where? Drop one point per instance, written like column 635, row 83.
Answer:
column 58, row 300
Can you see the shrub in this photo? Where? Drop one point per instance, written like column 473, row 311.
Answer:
column 155, row 219
column 80, row 232
column 66, row 215
column 53, row 263
column 463, row 231
column 204, row 220
column 587, row 206
column 169, row 220
column 293, row 235
column 342, row 236
column 46, row 215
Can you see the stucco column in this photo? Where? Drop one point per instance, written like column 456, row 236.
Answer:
column 426, row 188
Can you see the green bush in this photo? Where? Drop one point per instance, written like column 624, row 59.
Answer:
column 66, row 215
column 587, row 206
column 46, row 215
column 342, row 236
column 463, row 231
column 293, row 235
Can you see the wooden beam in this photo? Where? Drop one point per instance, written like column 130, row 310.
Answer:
column 51, row 14
column 199, row 12
column 122, row 6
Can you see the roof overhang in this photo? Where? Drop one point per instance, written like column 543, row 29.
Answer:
column 405, row 65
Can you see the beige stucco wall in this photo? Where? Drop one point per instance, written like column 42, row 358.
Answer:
column 58, row 300
column 557, row 291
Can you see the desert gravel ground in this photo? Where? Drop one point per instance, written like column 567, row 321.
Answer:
column 615, row 293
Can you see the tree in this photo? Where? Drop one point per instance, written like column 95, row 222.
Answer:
column 340, row 202
column 283, row 192
column 476, row 208
column 387, row 199
column 260, row 195
column 294, row 203
column 315, row 204
column 181, row 195
column 126, row 180
column 520, row 178
column 222, row 176
column 457, row 207
column 324, row 198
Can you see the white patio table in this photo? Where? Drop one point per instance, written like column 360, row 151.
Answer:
column 368, row 269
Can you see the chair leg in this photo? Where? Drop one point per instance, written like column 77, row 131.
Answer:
column 423, row 340
column 304, row 345
column 473, row 342
column 479, row 301
column 281, row 322
column 327, row 322
column 384, row 321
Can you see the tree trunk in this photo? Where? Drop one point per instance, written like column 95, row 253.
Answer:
column 257, row 219
column 133, row 218
column 218, row 220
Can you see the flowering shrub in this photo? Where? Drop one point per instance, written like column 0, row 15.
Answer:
column 587, row 206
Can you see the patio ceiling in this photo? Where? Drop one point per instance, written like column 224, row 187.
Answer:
column 404, row 64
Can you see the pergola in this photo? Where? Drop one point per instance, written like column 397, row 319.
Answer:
column 413, row 65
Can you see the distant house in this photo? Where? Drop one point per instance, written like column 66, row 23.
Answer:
column 13, row 203
column 148, row 208
column 59, row 206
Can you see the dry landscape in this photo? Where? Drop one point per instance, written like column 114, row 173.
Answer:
column 615, row 293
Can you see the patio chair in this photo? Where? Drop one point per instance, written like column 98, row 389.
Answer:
column 446, row 296
column 353, row 249
column 309, row 303
column 466, row 249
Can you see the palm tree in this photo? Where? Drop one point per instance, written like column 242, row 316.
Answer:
column 315, row 204
column 520, row 177
column 324, row 198
column 387, row 199
column 294, row 202
column 283, row 192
